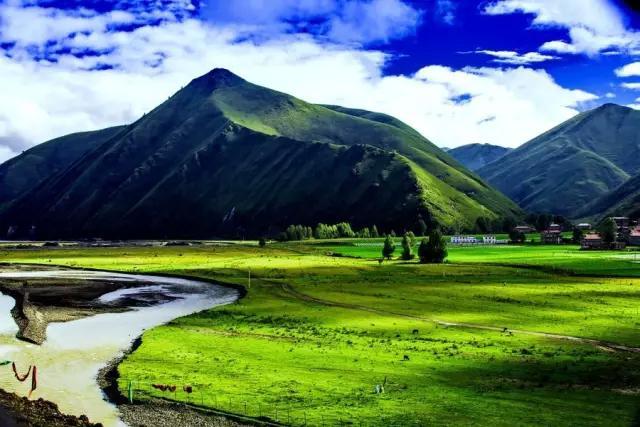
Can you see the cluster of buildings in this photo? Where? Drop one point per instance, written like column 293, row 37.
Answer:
column 627, row 233
column 473, row 240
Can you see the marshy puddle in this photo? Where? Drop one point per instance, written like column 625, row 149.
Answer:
column 69, row 360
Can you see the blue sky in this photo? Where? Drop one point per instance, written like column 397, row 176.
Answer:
column 496, row 71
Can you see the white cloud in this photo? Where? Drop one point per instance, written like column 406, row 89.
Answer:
column 629, row 70
column 610, row 95
column 632, row 86
column 594, row 25
column 375, row 20
column 44, row 99
column 514, row 58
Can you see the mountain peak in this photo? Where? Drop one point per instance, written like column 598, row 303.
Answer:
column 610, row 106
column 216, row 78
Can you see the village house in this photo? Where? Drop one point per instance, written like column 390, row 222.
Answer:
column 621, row 221
column 554, row 227
column 552, row 235
column 623, row 224
column 592, row 241
column 464, row 240
column 584, row 226
column 595, row 241
column 634, row 237
column 472, row 240
column 489, row 240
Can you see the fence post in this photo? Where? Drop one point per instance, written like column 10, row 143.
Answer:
column 130, row 392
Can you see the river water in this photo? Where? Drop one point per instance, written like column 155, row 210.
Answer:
column 69, row 360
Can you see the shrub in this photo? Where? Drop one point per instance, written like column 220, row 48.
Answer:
column 434, row 249
column 407, row 252
column 389, row 247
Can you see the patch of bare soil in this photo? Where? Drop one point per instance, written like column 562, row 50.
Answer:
column 22, row 412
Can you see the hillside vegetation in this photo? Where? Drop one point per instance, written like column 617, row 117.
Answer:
column 623, row 201
column 227, row 157
column 22, row 173
column 569, row 166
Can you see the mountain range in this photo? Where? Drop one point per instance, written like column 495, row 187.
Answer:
column 475, row 156
column 563, row 171
column 225, row 157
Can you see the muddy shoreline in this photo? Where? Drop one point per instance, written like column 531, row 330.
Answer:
column 21, row 412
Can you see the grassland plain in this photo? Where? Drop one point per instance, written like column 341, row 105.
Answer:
column 315, row 334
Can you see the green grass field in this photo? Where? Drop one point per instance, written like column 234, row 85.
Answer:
column 316, row 333
column 560, row 257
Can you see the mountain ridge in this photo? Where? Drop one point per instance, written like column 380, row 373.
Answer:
column 192, row 162
column 570, row 165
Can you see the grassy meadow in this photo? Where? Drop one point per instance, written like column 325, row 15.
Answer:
column 455, row 344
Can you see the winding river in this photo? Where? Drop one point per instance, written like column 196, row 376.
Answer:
column 69, row 360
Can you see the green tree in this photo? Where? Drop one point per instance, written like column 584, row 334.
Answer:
column 433, row 250
column 412, row 238
column 508, row 224
column 262, row 242
column 577, row 235
column 407, row 248
column 608, row 230
column 344, row 230
column 482, row 225
column 517, row 236
column 389, row 247
column 374, row 231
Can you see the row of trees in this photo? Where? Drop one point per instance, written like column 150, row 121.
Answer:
column 431, row 250
column 326, row 231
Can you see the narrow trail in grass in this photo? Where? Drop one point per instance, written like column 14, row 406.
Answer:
column 603, row 345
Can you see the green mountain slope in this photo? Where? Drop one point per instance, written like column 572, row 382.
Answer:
column 24, row 172
column 623, row 201
column 475, row 156
column 574, row 163
column 223, row 156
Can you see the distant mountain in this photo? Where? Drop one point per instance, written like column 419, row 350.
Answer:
column 623, row 201
column 573, row 164
column 475, row 156
column 227, row 157
column 22, row 173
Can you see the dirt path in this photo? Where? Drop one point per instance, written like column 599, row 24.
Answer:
column 603, row 345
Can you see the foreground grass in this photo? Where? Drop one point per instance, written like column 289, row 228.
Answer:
column 315, row 334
